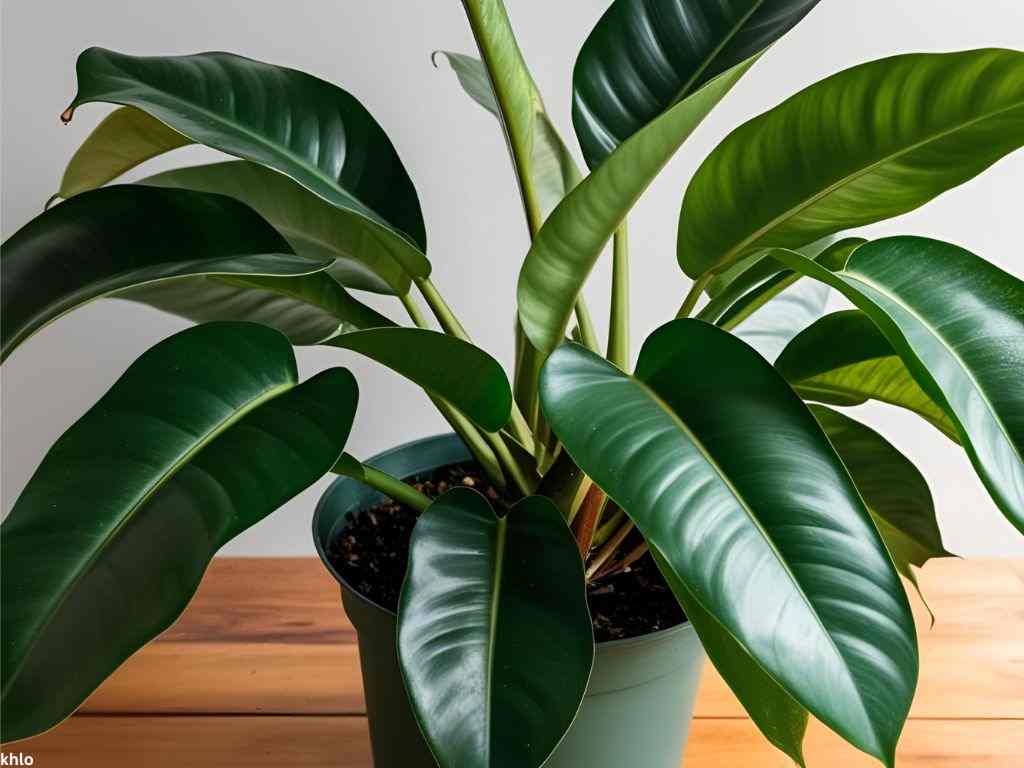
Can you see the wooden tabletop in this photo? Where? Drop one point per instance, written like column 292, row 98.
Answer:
column 262, row 670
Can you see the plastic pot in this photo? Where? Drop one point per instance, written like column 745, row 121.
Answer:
column 638, row 705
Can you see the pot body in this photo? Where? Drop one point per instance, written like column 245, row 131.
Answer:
column 638, row 704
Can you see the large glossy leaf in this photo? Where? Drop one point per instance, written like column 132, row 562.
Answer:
column 868, row 143
column 739, row 492
column 311, row 226
column 308, row 309
column 455, row 370
column 544, row 167
column 643, row 56
column 957, row 322
column 122, row 236
column 124, row 139
column 567, row 247
column 894, row 490
column 843, row 359
column 494, row 635
column 304, row 127
column 204, row 435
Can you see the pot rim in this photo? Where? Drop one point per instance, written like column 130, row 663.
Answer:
column 650, row 637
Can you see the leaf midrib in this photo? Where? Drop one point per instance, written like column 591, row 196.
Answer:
column 731, row 254
column 501, row 534
column 129, row 514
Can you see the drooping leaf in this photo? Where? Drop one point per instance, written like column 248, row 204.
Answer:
column 124, row 139
column 567, row 247
column 304, row 127
column 449, row 368
column 496, row 648
column 738, row 491
column 957, row 322
column 544, row 167
column 643, row 56
column 868, row 143
column 123, row 236
column 843, row 359
column 205, row 434
column 308, row 309
column 311, row 226
column 896, row 493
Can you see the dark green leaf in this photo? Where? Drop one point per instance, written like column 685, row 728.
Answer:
column 311, row 226
column 304, row 127
column 643, row 56
column 205, row 434
column 572, row 238
column 892, row 487
column 123, row 236
column 957, row 322
column 868, row 143
column 308, row 309
column 734, row 485
column 449, row 368
column 494, row 635
column 843, row 359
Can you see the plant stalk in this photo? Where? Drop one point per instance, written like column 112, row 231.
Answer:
column 391, row 486
column 608, row 549
column 693, row 296
column 618, row 322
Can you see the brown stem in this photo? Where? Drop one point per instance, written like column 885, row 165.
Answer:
column 586, row 520
column 619, row 566
column 607, row 550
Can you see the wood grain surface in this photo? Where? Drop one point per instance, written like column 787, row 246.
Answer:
column 262, row 669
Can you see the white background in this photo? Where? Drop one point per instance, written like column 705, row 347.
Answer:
column 379, row 50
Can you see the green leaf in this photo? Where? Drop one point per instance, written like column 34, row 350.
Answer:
column 568, row 245
column 124, row 139
column 495, row 644
column 122, row 236
column 449, row 368
column 304, row 127
column 896, row 493
column 308, row 309
column 205, row 435
column 843, row 359
column 643, row 56
column 311, row 226
column 957, row 322
column 733, row 484
column 865, row 144
column 538, row 152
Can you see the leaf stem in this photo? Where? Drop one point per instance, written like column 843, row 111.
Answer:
column 391, row 486
column 693, row 296
column 588, row 336
column 618, row 323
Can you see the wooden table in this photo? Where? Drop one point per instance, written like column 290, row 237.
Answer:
column 262, row 670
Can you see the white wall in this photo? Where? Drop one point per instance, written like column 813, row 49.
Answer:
column 379, row 50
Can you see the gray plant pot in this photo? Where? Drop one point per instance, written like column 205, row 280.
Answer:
column 638, row 705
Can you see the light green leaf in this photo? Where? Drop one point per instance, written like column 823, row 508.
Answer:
column 843, row 359
column 567, row 247
column 868, row 143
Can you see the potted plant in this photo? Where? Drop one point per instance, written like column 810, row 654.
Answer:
column 710, row 476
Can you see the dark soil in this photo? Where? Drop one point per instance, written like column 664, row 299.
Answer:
column 372, row 550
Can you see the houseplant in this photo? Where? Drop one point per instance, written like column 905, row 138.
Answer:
column 779, row 527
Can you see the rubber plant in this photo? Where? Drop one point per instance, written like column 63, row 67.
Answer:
column 781, row 524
